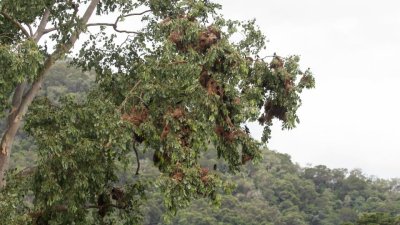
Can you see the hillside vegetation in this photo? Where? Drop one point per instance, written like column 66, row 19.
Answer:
column 272, row 191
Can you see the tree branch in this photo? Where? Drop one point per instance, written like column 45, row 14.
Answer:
column 16, row 23
column 115, row 24
column 137, row 159
column 42, row 25
column 30, row 29
column 49, row 30
column 136, row 14
column 18, row 93
column 16, row 100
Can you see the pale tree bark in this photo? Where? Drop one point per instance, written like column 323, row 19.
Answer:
column 21, row 101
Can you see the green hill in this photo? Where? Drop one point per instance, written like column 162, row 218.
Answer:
column 272, row 191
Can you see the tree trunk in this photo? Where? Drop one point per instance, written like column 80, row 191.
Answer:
column 15, row 118
column 22, row 102
column 6, row 142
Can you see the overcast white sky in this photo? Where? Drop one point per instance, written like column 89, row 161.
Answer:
column 351, row 119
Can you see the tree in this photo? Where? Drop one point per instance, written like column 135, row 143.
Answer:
column 177, row 86
column 24, row 62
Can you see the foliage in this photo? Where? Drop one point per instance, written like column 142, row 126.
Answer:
column 378, row 218
column 276, row 191
column 180, row 93
column 62, row 80
column 177, row 87
column 15, row 199
column 15, row 62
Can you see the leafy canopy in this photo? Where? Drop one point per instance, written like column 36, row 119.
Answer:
column 179, row 85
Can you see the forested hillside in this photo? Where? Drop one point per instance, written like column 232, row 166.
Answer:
column 277, row 191
column 274, row 190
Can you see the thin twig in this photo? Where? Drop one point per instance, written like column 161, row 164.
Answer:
column 114, row 25
column 127, row 38
column 268, row 56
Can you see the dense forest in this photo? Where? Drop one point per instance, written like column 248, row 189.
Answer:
column 274, row 190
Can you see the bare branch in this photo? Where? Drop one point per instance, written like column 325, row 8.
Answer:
column 100, row 24
column 136, row 14
column 115, row 24
column 49, row 30
column 126, row 39
column 42, row 25
column 89, row 11
column 16, row 23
